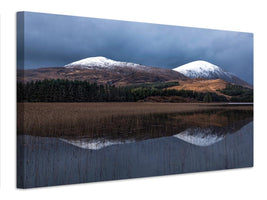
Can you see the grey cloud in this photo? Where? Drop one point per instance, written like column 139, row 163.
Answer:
column 56, row 40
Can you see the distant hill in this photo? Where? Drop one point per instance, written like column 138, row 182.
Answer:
column 102, row 70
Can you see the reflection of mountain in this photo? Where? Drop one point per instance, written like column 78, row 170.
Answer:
column 141, row 127
column 200, row 128
column 95, row 144
column 201, row 136
column 160, row 156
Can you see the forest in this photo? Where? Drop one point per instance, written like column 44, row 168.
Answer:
column 238, row 93
column 63, row 90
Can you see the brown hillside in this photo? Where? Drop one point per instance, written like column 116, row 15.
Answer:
column 120, row 76
column 202, row 85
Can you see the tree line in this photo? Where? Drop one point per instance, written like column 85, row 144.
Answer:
column 238, row 93
column 82, row 91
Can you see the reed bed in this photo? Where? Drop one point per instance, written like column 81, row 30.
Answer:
column 114, row 119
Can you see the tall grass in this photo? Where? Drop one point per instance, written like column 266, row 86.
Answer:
column 119, row 120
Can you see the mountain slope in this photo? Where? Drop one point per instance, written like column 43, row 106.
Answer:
column 103, row 71
column 203, row 69
column 202, row 85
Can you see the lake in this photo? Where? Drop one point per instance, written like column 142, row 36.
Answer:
column 162, row 144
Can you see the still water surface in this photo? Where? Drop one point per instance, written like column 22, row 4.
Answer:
column 222, row 142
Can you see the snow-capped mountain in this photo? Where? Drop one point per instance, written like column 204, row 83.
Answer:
column 102, row 70
column 100, row 62
column 123, row 73
column 203, row 69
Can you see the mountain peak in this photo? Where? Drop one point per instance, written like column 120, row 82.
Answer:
column 198, row 69
column 99, row 62
column 204, row 69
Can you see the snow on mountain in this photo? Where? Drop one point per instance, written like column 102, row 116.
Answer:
column 122, row 73
column 100, row 61
column 102, row 70
column 203, row 69
column 196, row 69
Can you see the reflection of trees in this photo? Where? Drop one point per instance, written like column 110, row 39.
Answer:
column 140, row 127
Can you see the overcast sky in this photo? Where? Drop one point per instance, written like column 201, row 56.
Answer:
column 56, row 40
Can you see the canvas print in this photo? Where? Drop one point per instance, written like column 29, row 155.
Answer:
column 102, row 100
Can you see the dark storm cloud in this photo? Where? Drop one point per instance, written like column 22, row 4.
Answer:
column 55, row 40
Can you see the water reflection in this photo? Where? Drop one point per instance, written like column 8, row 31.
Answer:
column 200, row 136
column 195, row 142
column 197, row 136
column 199, row 128
column 95, row 144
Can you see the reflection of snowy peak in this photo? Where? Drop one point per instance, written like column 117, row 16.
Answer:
column 94, row 144
column 199, row 136
column 203, row 69
column 93, row 62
